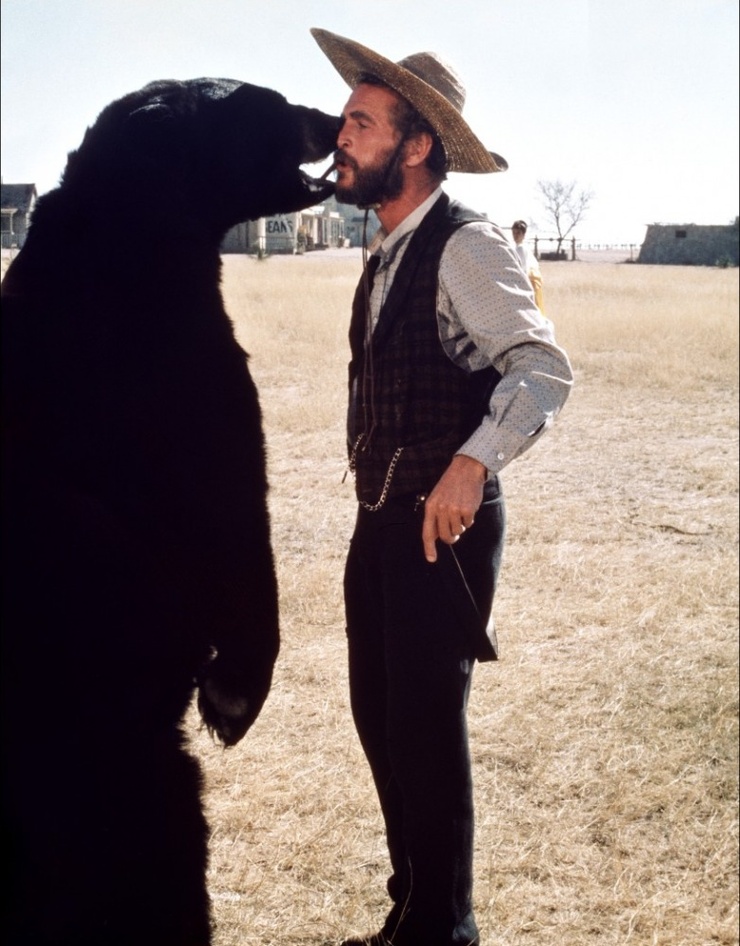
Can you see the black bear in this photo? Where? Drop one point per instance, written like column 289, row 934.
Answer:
column 137, row 563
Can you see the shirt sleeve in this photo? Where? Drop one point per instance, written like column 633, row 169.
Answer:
column 487, row 316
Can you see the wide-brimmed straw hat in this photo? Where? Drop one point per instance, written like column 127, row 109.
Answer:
column 430, row 84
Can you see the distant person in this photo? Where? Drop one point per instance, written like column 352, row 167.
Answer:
column 530, row 263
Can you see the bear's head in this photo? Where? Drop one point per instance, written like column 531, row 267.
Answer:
column 205, row 152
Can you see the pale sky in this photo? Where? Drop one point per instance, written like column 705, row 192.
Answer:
column 635, row 100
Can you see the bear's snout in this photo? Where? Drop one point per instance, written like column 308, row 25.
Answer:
column 319, row 133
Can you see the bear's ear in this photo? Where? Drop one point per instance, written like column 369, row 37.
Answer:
column 151, row 116
column 151, row 134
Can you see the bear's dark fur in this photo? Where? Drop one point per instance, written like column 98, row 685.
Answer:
column 136, row 545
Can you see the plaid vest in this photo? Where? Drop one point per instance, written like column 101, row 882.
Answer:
column 410, row 407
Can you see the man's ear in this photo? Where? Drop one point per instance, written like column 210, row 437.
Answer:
column 418, row 148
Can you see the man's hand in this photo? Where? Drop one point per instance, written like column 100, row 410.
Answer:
column 451, row 506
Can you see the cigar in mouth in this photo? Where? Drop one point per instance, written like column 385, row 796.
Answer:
column 327, row 172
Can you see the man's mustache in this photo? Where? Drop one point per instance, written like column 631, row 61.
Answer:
column 341, row 159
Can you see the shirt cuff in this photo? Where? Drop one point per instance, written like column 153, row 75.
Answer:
column 494, row 453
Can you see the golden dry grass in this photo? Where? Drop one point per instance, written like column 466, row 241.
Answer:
column 605, row 739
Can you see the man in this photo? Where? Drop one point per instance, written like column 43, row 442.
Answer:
column 454, row 373
column 530, row 263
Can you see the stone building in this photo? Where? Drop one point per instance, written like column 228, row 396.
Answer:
column 690, row 244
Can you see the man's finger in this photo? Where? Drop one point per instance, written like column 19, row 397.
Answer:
column 429, row 535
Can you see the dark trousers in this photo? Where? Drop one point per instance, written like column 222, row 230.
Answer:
column 412, row 647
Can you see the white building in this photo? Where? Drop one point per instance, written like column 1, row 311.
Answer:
column 313, row 229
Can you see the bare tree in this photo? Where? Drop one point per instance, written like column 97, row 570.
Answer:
column 565, row 205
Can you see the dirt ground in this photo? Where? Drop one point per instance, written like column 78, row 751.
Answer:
column 605, row 739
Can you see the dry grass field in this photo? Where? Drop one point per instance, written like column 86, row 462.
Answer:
column 605, row 739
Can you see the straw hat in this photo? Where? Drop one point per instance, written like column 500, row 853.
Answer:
column 431, row 85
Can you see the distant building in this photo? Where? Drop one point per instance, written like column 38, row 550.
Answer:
column 354, row 221
column 327, row 225
column 313, row 229
column 18, row 201
column 690, row 244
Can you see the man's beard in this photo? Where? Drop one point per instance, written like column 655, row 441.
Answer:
column 372, row 185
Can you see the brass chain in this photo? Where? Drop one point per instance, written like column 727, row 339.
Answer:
column 374, row 507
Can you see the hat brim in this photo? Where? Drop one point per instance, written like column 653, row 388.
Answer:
column 465, row 152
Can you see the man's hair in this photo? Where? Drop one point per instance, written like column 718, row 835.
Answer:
column 519, row 225
column 409, row 122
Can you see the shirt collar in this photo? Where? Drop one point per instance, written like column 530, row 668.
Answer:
column 383, row 244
